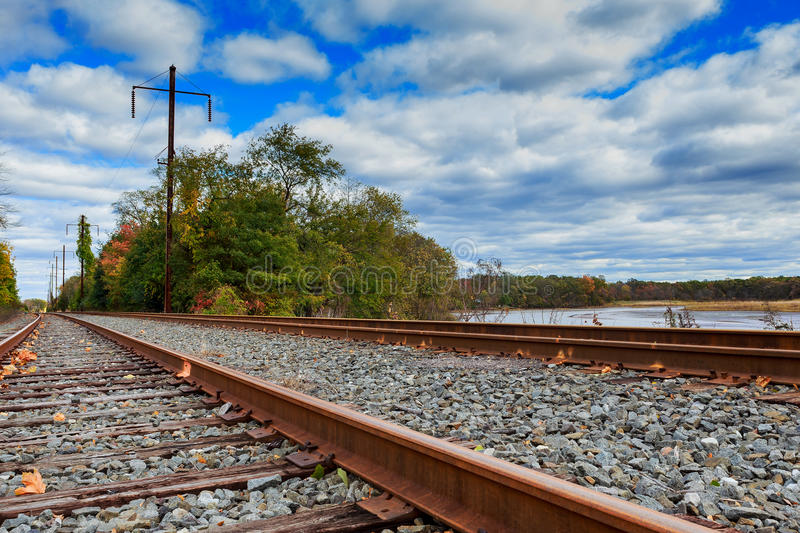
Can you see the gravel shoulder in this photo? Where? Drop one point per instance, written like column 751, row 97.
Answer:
column 716, row 452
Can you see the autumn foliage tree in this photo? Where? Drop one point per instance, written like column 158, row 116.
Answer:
column 9, row 296
column 277, row 232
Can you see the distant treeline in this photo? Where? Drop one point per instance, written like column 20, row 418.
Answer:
column 570, row 291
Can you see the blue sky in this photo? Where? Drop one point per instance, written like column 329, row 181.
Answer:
column 649, row 139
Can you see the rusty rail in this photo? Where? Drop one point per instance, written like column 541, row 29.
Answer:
column 14, row 340
column 781, row 340
column 464, row 489
column 738, row 363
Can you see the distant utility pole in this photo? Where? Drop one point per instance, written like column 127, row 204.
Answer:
column 55, row 282
column 81, row 225
column 63, row 265
column 170, row 157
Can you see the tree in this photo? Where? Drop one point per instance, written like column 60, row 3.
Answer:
column 84, row 252
column 8, row 278
column 35, row 305
column 268, row 235
column 290, row 162
column 98, row 291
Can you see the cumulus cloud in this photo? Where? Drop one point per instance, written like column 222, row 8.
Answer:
column 524, row 46
column 154, row 33
column 25, row 31
column 691, row 173
column 82, row 110
column 250, row 58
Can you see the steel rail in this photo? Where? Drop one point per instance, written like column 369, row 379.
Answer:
column 464, row 489
column 14, row 340
column 782, row 340
column 731, row 362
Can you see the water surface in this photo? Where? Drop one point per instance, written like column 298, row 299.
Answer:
column 640, row 317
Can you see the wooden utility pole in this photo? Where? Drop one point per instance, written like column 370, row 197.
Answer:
column 170, row 179
column 56, row 279
column 170, row 158
column 80, row 239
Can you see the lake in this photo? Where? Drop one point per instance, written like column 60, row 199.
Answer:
column 639, row 317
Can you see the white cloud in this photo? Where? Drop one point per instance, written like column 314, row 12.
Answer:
column 25, row 31
column 82, row 110
column 573, row 45
column 156, row 33
column 250, row 58
column 691, row 173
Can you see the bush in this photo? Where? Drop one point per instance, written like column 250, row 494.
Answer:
column 225, row 301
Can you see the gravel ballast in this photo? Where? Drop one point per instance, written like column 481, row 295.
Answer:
column 716, row 452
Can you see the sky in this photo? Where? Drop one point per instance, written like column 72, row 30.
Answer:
column 655, row 139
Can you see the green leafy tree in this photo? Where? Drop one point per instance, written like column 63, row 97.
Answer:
column 271, row 234
column 84, row 245
column 298, row 167
column 9, row 296
column 98, row 292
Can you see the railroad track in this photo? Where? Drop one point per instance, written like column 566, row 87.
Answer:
column 146, row 430
column 722, row 356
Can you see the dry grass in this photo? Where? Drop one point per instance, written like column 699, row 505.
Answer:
column 718, row 305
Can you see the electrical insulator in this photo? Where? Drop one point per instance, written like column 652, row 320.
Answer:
column 133, row 103
column 209, row 109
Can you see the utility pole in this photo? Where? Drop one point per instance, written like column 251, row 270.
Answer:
column 63, row 266
column 88, row 227
column 170, row 184
column 80, row 239
column 51, row 284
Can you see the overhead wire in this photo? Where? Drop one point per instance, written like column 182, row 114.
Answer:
column 190, row 81
column 138, row 133
column 154, row 77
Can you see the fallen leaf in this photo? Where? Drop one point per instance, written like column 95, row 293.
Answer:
column 128, row 376
column 88, row 349
column 606, row 370
column 32, row 483
column 763, row 381
column 9, row 369
column 23, row 356
column 155, row 413
column 31, row 369
column 343, row 476
column 59, row 417
column 181, row 497
column 200, row 459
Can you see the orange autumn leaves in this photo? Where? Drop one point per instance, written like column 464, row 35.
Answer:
column 18, row 361
column 31, row 483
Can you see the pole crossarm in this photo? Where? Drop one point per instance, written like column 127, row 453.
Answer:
column 167, row 90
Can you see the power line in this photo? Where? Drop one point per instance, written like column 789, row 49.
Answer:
column 156, row 76
column 190, row 81
column 138, row 133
